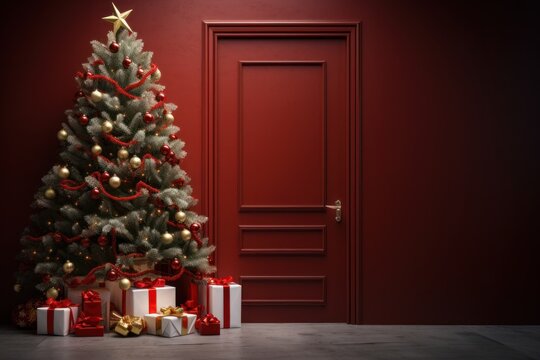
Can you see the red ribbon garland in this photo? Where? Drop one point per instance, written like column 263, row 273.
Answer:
column 69, row 240
column 85, row 281
column 117, row 141
column 157, row 105
column 118, row 88
column 115, row 84
column 67, row 184
column 153, row 69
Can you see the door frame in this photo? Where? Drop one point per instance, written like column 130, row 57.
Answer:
column 351, row 32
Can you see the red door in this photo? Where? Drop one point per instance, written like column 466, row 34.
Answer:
column 280, row 115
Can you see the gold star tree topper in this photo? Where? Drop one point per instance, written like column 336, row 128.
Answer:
column 118, row 19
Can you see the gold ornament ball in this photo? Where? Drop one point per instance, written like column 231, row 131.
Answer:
column 156, row 75
column 166, row 238
column 17, row 287
column 180, row 216
column 52, row 293
column 185, row 234
column 63, row 172
column 68, row 267
column 115, row 181
column 169, row 118
column 62, row 135
column 96, row 96
column 123, row 154
column 124, row 284
column 135, row 162
column 107, row 126
column 96, row 149
column 50, row 193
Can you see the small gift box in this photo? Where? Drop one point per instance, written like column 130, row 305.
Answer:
column 170, row 323
column 89, row 326
column 223, row 298
column 144, row 297
column 58, row 318
column 208, row 325
column 90, row 304
column 127, row 324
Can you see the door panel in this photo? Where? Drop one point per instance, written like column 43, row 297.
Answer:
column 280, row 109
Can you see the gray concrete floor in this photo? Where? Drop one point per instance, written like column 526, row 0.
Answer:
column 289, row 341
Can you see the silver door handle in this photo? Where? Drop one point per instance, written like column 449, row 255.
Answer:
column 336, row 207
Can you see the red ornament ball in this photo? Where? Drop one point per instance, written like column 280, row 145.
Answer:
column 170, row 156
column 173, row 137
column 126, row 62
column 95, row 193
column 140, row 73
column 79, row 94
column 160, row 96
column 83, row 119
column 178, row 182
column 105, row 176
column 148, row 118
column 57, row 237
column 165, row 149
column 176, row 264
column 112, row 275
column 87, row 74
column 46, row 278
column 85, row 242
column 195, row 227
column 102, row 240
column 114, row 47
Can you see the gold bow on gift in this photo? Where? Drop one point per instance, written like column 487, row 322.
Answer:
column 124, row 325
column 172, row 311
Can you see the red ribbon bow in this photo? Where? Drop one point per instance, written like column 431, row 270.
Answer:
column 191, row 307
column 221, row 281
column 147, row 283
column 91, row 295
column 87, row 321
column 53, row 304
column 209, row 319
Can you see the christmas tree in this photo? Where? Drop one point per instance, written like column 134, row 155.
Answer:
column 118, row 196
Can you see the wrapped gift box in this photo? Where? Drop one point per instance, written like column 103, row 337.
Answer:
column 208, row 325
column 56, row 321
column 89, row 326
column 222, row 298
column 141, row 301
column 75, row 295
column 170, row 326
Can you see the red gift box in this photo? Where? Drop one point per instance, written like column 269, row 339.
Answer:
column 208, row 325
column 91, row 303
column 89, row 326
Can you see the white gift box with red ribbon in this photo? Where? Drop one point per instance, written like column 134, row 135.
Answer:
column 144, row 297
column 56, row 319
column 222, row 298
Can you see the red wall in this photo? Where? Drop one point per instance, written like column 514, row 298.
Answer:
column 450, row 137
